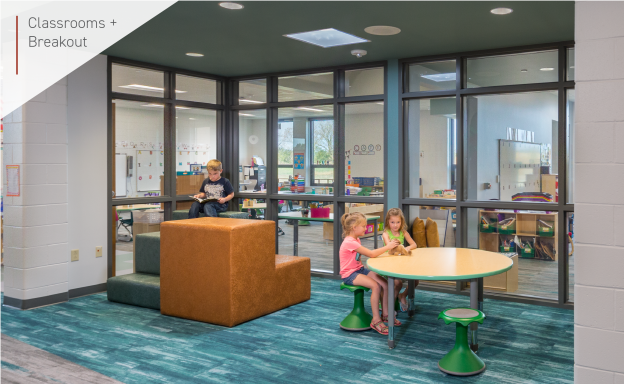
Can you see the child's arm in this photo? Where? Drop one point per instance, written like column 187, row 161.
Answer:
column 412, row 243
column 376, row 252
column 201, row 195
column 385, row 237
column 225, row 199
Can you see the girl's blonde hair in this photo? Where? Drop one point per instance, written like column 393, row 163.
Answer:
column 350, row 220
column 395, row 212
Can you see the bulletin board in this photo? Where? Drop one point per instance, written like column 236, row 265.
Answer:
column 150, row 166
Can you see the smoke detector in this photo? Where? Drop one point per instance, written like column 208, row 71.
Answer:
column 358, row 53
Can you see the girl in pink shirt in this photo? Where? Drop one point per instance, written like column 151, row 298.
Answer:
column 353, row 272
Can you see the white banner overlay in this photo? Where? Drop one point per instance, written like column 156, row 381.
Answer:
column 44, row 41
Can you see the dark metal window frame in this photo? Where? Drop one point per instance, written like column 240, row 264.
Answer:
column 169, row 197
column 462, row 204
column 314, row 166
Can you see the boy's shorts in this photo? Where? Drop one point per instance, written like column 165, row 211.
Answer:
column 349, row 279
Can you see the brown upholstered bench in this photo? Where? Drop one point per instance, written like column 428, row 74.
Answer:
column 225, row 271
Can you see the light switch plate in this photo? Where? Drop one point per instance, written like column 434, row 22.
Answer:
column 74, row 255
column 98, row 251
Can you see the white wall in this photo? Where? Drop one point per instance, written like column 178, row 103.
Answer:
column 247, row 128
column 36, row 222
column 87, row 171
column 599, row 265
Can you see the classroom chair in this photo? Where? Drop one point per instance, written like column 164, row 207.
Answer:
column 461, row 360
column 358, row 319
column 126, row 223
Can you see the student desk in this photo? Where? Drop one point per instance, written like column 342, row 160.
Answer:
column 296, row 216
column 440, row 264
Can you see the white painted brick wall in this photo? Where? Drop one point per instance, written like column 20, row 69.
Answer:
column 36, row 222
column 599, row 183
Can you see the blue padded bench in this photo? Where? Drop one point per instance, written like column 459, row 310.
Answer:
column 182, row 214
column 143, row 287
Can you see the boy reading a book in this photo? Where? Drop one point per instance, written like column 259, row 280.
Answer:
column 214, row 193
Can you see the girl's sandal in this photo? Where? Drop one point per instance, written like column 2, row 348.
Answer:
column 397, row 323
column 380, row 327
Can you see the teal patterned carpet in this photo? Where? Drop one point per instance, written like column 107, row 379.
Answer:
column 519, row 343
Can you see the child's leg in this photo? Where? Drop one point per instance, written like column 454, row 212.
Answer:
column 366, row 281
column 384, row 288
column 194, row 211
column 209, row 209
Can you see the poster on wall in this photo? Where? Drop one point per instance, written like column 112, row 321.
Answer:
column 150, row 166
column 298, row 160
column 13, row 180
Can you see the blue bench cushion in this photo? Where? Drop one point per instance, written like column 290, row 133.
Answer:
column 138, row 289
column 147, row 253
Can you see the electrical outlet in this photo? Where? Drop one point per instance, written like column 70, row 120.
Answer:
column 74, row 255
column 98, row 251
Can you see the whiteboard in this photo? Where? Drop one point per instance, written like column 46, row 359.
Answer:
column 150, row 166
column 121, row 175
column 519, row 168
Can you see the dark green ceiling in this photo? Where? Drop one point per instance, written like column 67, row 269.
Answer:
column 250, row 41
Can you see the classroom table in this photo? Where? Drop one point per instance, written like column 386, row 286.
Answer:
column 255, row 207
column 136, row 207
column 296, row 216
column 440, row 264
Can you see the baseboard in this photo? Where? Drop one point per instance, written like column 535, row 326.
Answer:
column 36, row 302
column 77, row 292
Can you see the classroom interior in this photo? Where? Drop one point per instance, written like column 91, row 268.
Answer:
column 479, row 139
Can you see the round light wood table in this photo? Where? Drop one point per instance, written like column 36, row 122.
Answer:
column 440, row 264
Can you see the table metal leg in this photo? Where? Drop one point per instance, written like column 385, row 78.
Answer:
column 391, row 343
column 296, row 237
column 410, row 297
column 375, row 224
column 474, row 303
column 481, row 294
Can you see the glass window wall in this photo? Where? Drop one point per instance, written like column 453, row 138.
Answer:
column 306, row 87
column 305, row 149
column 361, row 82
column 364, row 149
column 570, row 144
column 570, row 67
column 252, row 155
column 137, row 81
column 251, row 92
column 434, row 76
column 196, row 89
column 529, row 238
column 512, row 147
column 432, row 148
column 521, row 68
column 139, row 148
column 196, row 145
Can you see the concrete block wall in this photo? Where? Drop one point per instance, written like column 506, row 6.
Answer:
column 36, row 222
column 599, row 202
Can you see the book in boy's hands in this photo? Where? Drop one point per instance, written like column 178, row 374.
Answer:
column 204, row 200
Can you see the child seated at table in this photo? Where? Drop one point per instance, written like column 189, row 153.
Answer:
column 353, row 272
column 395, row 228
column 218, row 190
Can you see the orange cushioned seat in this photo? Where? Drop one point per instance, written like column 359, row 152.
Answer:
column 225, row 271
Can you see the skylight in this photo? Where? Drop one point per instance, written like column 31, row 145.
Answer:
column 326, row 38
column 440, row 77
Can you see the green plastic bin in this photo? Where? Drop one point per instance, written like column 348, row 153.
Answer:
column 507, row 229
column 546, row 232
column 527, row 253
column 506, row 249
column 487, row 228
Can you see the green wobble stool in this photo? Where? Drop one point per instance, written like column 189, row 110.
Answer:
column 358, row 319
column 461, row 360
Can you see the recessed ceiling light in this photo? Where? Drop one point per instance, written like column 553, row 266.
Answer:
column 441, row 77
column 326, row 38
column 572, row 66
column 245, row 114
column 311, row 109
column 147, row 88
column 380, row 103
column 524, row 70
column 193, row 54
column 230, row 5
column 547, row 69
column 382, row 30
column 250, row 101
column 162, row 106
column 501, row 11
column 192, row 118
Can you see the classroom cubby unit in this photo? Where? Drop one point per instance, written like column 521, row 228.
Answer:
column 540, row 229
